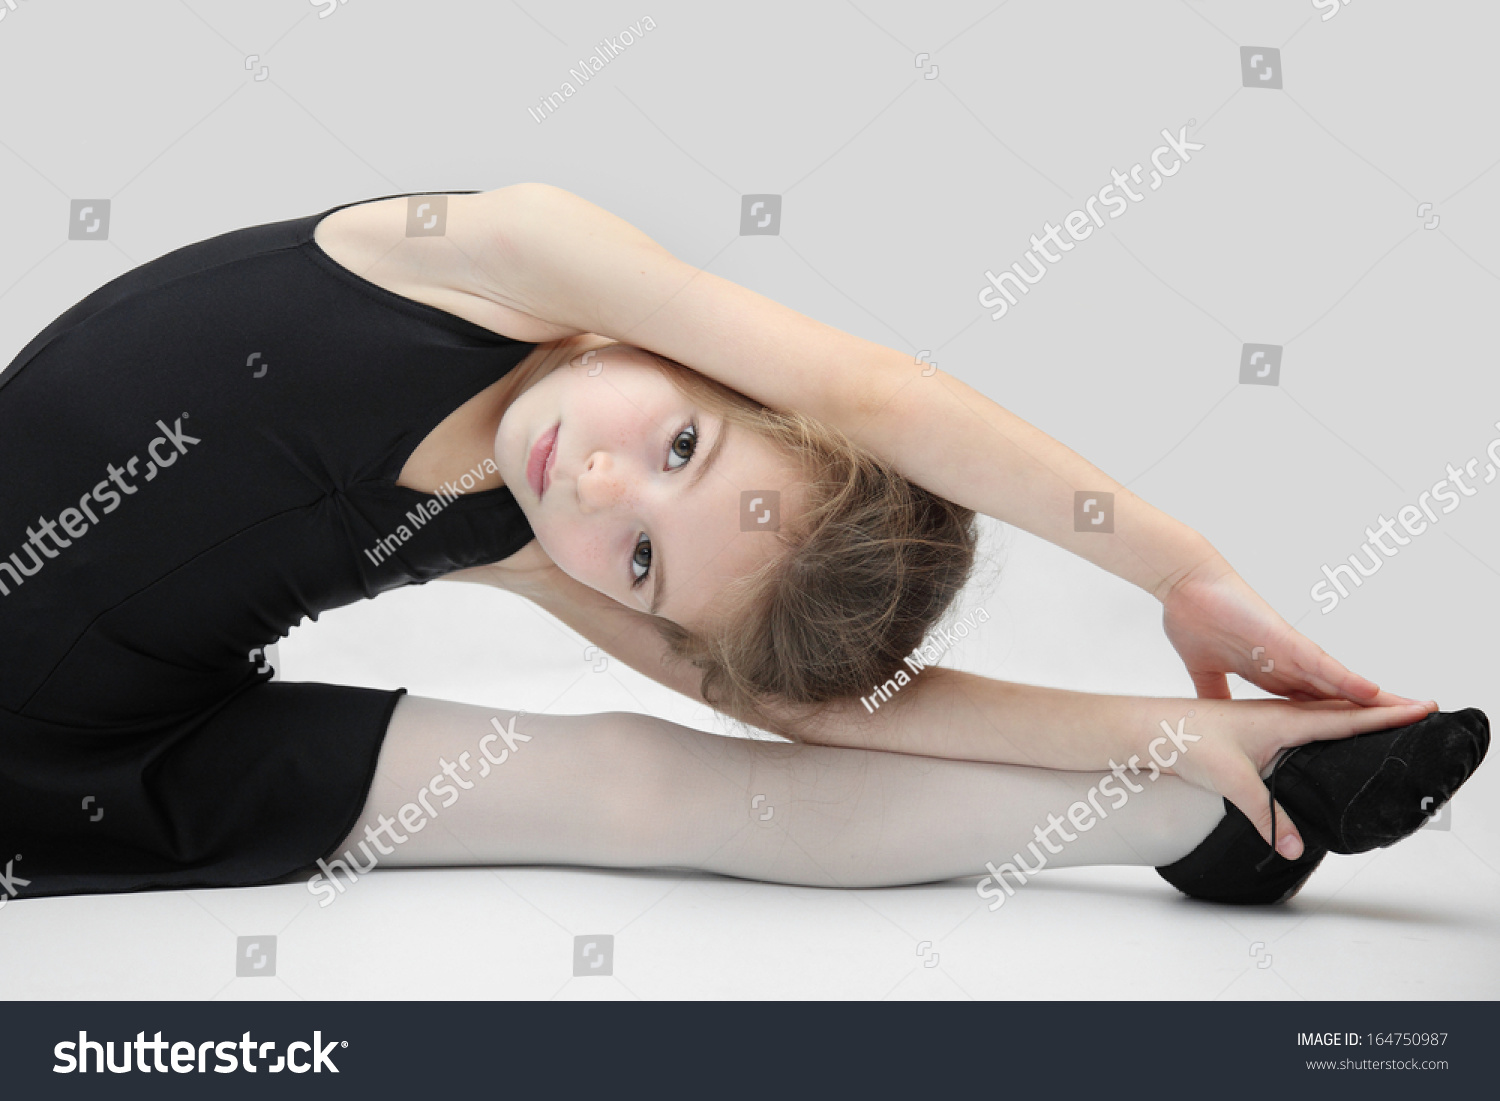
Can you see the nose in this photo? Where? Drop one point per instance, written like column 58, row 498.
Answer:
column 602, row 485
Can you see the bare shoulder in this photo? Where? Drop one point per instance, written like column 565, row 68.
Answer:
column 446, row 270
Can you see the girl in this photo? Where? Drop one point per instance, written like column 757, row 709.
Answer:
column 290, row 417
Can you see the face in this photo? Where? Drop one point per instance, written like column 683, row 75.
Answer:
column 635, row 490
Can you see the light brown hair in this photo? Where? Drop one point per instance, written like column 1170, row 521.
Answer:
column 871, row 563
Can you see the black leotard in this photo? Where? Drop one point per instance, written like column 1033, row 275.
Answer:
column 195, row 457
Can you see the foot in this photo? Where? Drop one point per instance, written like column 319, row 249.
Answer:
column 1346, row 796
column 1371, row 790
column 1230, row 866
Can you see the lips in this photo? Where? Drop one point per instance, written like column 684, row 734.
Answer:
column 539, row 464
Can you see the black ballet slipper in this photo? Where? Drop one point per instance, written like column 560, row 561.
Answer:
column 1347, row 796
column 1355, row 794
column 1229, row 866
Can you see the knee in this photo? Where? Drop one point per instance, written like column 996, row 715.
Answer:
column 635, row 768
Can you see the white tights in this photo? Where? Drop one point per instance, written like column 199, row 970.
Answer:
column 633, row 791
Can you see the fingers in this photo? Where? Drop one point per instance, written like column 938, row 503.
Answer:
column 1288, row 840
column 1248, row 792
column 1211, row 686
column 1322, row 675
column 1331, row 680
column 1360, row 720
column 1352, row 686
column 1332, row 719
column 1295, row 682
column 1349, row 684
column 1389, row 699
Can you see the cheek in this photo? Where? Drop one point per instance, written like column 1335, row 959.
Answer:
column 582, row 554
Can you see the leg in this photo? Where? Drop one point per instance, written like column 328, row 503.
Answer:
column 626, row 790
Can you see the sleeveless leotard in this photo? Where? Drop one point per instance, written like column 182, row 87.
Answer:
column 195, row 457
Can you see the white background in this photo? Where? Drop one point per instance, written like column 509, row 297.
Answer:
column 1296, row 225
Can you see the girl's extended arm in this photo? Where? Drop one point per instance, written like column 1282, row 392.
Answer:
column 569, row 262
column 554, row 256
column 1221, row 746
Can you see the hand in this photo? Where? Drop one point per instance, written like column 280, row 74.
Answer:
column 1238, row 739
column 1218, row 625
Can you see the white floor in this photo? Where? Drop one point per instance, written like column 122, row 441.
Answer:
column 1420, row 920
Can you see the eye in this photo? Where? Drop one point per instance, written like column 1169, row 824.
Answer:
column 640, row 561
column 683, row 446
column 681, row 450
